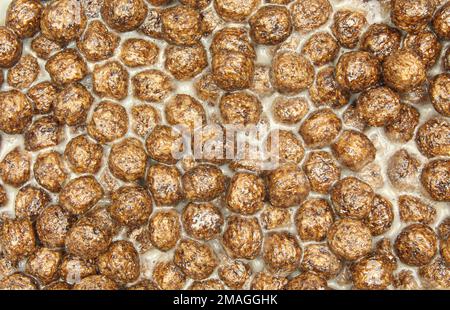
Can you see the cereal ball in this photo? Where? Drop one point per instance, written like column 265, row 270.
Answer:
column 196, row 4
column 381, row 215
column 203, row 183
column 234, row 11
column 426, row 45
column 347, row 27
column 349, row 239
column 127, row 160
column 144, row 118
column 86, row 240
column 108, row 122
column 440, row 93
column 289, row 110
column 131, row 205
column 412, row 16
column 319, row 259
column 266, row 281
column 98, row 43
column 443, row 229
column 261, row 84
column 83, row 155
column 357, row 70
column 24, row 73
column 416, row 245
column 163, row 144
column 245, row 193
column 210, row 143
column 181, row 25
column 441, row 22
column 168, row 277
column 143, row 285
column 17, row 238
column 435, row 275
column 307, row 281
column 11, row 48
column 232, row 70
column 291, row 72
column 445, row 250
column 110, row 80
column 165, row 229
column 120, row 263
column 43, row 96
column 285, row 146
column 3, row 196
column 18, row 281
column 273, row 217
column 30, row 201
column 74, row 269
column 195, row 259
column 313, row 219
column 186, row 111
column 101, row 217
column 232, row 39
column 435, row 178
column 354, row 150
column 210, row 284
column 240, row 108
column 152, row 25
column 381, row 40
column 202, row 221
column 151, row 85
column 15, row 167
column 138, row 52
column 405, row 280
column 164, row 182
column 7, row 267
column 320, row 128
column 44, row 264
column 402, row 128
column 309, row 15
column 322, row 171
column 43, row 133
column 206, row 89
column 80, row 194
column 52, row 226
column 321, row 48
column 446, row 60
column 352, row 119
column 57, row 286
column 384, row 248
column 242, row 237
column 124, row 15
column 63, row 21
column 234, row 273
column 50, row 171
column 281, row 252
column 96, row 282
column 23, row 17
column 185, row 62
column 72, row 104
column 210, row 21
column 287, row 186
column 326, row 91
column 270, row 25
column 140, row 237
column 17, row 112
column 372, row 273
column 43, row 47
column 66, row 66
column 432, row 138
column 414, row 209
column 352, row 198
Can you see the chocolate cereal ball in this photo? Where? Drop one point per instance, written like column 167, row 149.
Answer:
column 352, row 198
column 108, row 122
column 17, row 238
column 313, row 219
column 381, row 215
column 127, row 160
column 291, row 72
column 267, row 281
column 181, row 25
column 144, row 118
column 412, row 16
column 284, row 146
column 203, row 183
column 402, row 128
column 44, row 47
column 72, row 104
column 441, row 22
column 83, row 155
column 50, row 171
column 321, row 48
column 168, row 277
column 357, row 70
column 372, row 273
column 240, row 108
column 354, row 150
column 326, row 91
column 66, row 66
column 234, row 11
column 426, row 45
column 206, row 89
column 349, row 239
column 11, row 48
column 195, row 259
column 289, row 111
column 234, row 273
column 322, row 171
column 416, row 245
column 15, row 167
column 440, row 93
column 281, row 252
column 43, row 133
column 163, row 143
column 44, row 264
column 232, row 39
column 164, row 229
column 403, row 169
column 245, row 193
column 52, row 226
column 164, row 182
column 232, row 70
column 80, row 194
column 202, row 221
column 435, row 275
column 151, row 85
column 43, row 96
column 435, row 178
column 3, row 196
column 185, row 62
column 17, row 112
column 270, row 25
column 131, row 205
column 152, row 25
column 320, row 128
column 24, row 73
column 414, row 209
column 138, row 52
column 446, row 60
column 307, row 281
column 98, row 43
column 319, row 259
column 110, row 80
column 18, row 281
column 242, row 237
column 347, row 26
column 432, row 137
column 124, row 15
column 23, row 17
column 381, row 40
column 73, row 269
column 186, row 111
column 30, row 201
column 96, row 283
column 310, row 14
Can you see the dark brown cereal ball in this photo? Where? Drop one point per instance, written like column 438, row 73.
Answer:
column 17, row 238
column 151, row 85
column 347, row 26
column 234, row 273
column 3, row 196
column 15, row 167
column 357, row 70
column 416, row 245
column 17, row 112
column 435, row 275
column 235, row 11
column 57, row 286
column 164, row 182
column 352, row 198
column 441, row 22
column 403, row 169
column 197, row 260
column 168, row 277
column 108, row 122
column 101, row 217
column 152, row 25
column 110, row 80
column 143, row 285
column 435, row 178
column 313, row 219
column 50, row 171
column 127, row 160
column 202, row 221
column 412, row 16
column 267, row 281
column 307, row 281
column 319, row 259
column 86, row 240
column 287, row 186
column 242, row 237
column 138, row 52
column 432, row 137
column 426, row 45
column 203, row 183
column 83, row 155
column 326, row 91
column 97, row 42
column 321, row 48
column 23, row 17
column 349, row 239
column 131, row 205
column 11, row 48
column 43, row 133
column 322, row 171
column 181, row 25
column 186, row 111
column 245, row 194
column 43, row 47
column 440, row 93
column 414, row 209
column 30, row 201
column 185, row 62
column 240, row 108
column 44, row 264
column 43, row 96
column 164, row 229
column 97, row 283
column 261, row 84
column 72, row 104
column 270, row 25
column 232, row 70
column 210, row 284
column 291, row 72
column 80, row 194
column 281, row 252
column 289, row 110
column 63, row 21
column 232, row 39
column 320, row 128
column 18, row 281
column 206, row 89
column 309, row 15
column 446, row 60
column 354, row 150
column 372, row 273
column 120, row 262
column 402, row 128
column 66, row 66
column 381, row 215
column 144, row 118
column 381, row 40
column 284, row 146
column 124, row 15
column 73, row 269
column 52, row 226
column 24, row 73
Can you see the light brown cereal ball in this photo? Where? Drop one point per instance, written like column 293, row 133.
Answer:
column 83, row 155
column 352, row 198
column 313, row 219
column 432, row 137
column 289, row 110
column 23, row 17
column 30, row 201
column 186, row 111
column 319, row 259
column 203, row 183
column 416, row 245
column 381, row 215
column 310, row 14
column 349, row 239
column 281, row 252
column 24, row 73
column 98, row 43
column 87, row 240
column 139, row 52
column 164, row 182
column 164, row 229
column 402, row 128
column 202, row 221
column 234, row 273
column 412, row 16
column 57, row 286
column 15, row 167
column 168, row 277
column 273, row 217
column 403, row 169
column 322, row 171
column 235, row 11
column 43, row 96
column 210, row 20
column 17, row 112
column 44, row 264
column 426, row 45
column 50, row 171
column 152, row 25
column 440, row 93
column 210, row 144
column 405, row 280
column 151, row 85
column 181, row 25
column 97, row 283
column 144, row 118
column 445, row 250
column 326, row 91
column 240, row 108
column 131, row 205
column 72, row 104
column 127, row 160
column 414, row 209
column 435, row 178
column 443, row 229
column 321, row 48
column 195, row 259
column 206, row 89
column 124, row 15
column 242, row 237
column 441, row 22
column 354, row 150
column 307, row 281
column 320, row 128
column 435, row 275
column 232, row 70
column 352, row 119
column 245, row 193
column 196, row 4
column 18, row 281
column 347, row 26
column 267, row 281
column 163, row 143
column 110, row 80
column 210, row 284
column 66, row 66
column 232, row 39
column 372, row 273
column 73, row 269
column 43, row 133
column 270, row 25
column 11, row 48
column 185, row 62
column 291, row 72
column 52, row 226
column 381, row 40
column 17, row 238
column 101, row 217
column 80, row 194
column 108, row 122
column 43, row 47
column 285, row 146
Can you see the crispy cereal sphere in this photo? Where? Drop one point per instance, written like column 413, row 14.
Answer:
column 270, row 25
column 432, row 137
column 186, row 111
column 326, row 91
column 24, row 73
column 110, row 80
column 322, row 171
column 108, row 122
column 232, row 39
column 352, row 198
column 416, row 245
column 73, row 269
column 185, row 62
column 435, row 178
column 232, row 70
column 288, row 110
column 203, row 183
column 381, row 215
column 446, row 60
column 310, row 14
column 80, row 194
column 144, row 118
column 372, row 273
column 181, row 25
column 321, row 48
column 441, row 22
column 15, row 167
column 206, row 89
column 163, row 143
column 11, row 48
column 291, row 72
column 196, row 260
column 63, row 20
column 164, row 229
column 319, row 259
column 282, row 252
column 240, row 108
column 412, row 15
column 435, row 275
column 440, row 93
column 72, row 104
column 43, row 96
column 354, row 150
column 320, row 128
column 347, row 27
column 43, row 133
column 164, row 182
column 402, row 128
column 426, row 45
column 403, row 169
column 245, row 193
column 18, row 281
column 30, row 201
column 3, row 196
column 242, row 237
column 414, row 209
column 96, row 282
column 124, row 15
column 268, row 281
column 202, row 221
column 284, row 146
column 313, row 219
column 131, row 205
column 235, row 11
column 307, row 281
column 66, row 67
column 17, row 112
column 168, row 277
column 98, row 43
column 23, row 17
column 17, row 238
column 52, row 226
column 381, row 40
column 234, row 273
column 83, row 155
column 151, row 85
column 138, row 52
column 127, row 160
column 44, row 264
column 43, row 47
